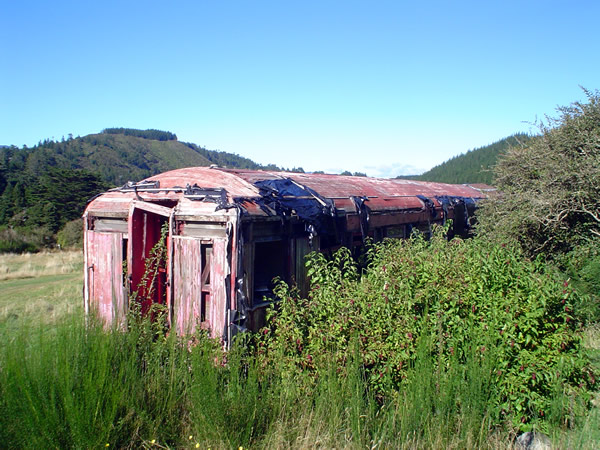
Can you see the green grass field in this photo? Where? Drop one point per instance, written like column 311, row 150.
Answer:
column 40, row 288
column 64, row 385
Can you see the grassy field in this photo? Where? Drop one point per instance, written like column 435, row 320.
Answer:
column 40, row 288
column 67, row 386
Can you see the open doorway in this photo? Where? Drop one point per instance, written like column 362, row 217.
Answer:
column 147, row 268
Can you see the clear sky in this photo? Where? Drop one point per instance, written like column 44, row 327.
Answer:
column 382, row 87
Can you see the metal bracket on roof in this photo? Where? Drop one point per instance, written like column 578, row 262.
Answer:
column 215, row 195
column 131, row 186
column 196, row 192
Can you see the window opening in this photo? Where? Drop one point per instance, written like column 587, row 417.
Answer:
column 205, row 291
column 270, row 261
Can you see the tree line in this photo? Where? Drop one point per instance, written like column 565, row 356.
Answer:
column 157, row 135
column 475, row 166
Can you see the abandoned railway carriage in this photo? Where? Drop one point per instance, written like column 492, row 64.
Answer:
column 226, row 234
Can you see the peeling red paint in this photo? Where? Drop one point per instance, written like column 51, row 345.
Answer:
column 105, row 275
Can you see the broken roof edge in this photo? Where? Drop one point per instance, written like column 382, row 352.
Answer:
column 244, row 187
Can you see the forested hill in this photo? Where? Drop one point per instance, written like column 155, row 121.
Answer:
column 117, row 157
column 45, row 186
column 475, row 166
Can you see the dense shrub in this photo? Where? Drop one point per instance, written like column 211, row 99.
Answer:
column 550, row 201
column 468, row 304
column 582, row 266
column 17, row 246
column 25, row 239
column 71, row 235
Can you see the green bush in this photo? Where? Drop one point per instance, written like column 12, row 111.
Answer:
column 17, row 246
column 24, row 239
column 550, row 201
column 582, row 266
column 476, row 305
column 71, row 235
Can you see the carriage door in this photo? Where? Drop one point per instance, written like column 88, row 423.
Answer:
column 200, row 271
column 149, row 245
column 105, row 291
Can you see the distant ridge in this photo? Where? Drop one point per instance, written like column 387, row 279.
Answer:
column 157, row 135
column 118, row 155
column 475, row 166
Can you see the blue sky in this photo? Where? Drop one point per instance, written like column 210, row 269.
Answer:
column 383, row 87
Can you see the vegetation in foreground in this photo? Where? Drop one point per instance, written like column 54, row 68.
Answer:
column 495, row 333
column 359, row 370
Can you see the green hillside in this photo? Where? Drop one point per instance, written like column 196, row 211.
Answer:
column 44, row 187
column 117, row 158
column 475, row 166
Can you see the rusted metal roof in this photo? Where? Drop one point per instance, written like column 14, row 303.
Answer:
column 243, row 186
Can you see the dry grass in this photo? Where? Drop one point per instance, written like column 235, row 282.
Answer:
column 34, row 265
column 310, row 432
column 40, row 288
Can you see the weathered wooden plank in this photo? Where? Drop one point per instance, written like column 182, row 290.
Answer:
column 151, row 207
column 200, row 217
column 119, row 296
column 187, row 284
column 302, row 248
column 204, row 230
column 217, row 310
column 114, row 225
column 105, row 269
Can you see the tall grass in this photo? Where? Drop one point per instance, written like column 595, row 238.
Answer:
column 86, row 387
column 83, row 387
column 67, row 384
column 79, row 386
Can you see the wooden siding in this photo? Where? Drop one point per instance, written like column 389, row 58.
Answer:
column 105, row 275
column 187, row 286
column 217, row 313
column 186, row 280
